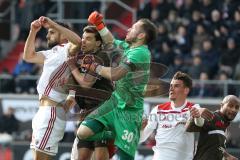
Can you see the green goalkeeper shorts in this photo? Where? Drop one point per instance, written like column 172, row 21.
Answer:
column 125, row 123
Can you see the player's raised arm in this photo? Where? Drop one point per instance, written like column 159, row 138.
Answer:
column 96, row 19
column 29, row 54
column 72, row 37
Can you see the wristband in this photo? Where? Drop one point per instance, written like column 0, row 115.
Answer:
column 103, row 31
column 99, row 69
column 199, row 121
column 72, row 93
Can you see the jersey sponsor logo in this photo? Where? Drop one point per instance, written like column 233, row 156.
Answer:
column 169, row 117
column 167, row 126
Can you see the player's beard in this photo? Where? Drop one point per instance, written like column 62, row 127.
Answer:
column 52, row 44
column 228, row 117
column 172, row 99
column 131, row 40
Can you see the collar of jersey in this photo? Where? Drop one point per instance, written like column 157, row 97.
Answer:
column 178, row 108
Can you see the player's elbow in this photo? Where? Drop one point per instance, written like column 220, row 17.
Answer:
column 26, row 57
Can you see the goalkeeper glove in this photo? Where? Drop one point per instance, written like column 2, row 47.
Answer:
column 96, row 19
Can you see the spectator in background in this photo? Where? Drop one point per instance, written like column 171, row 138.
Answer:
column 215, row 22
column 24, row 16
column 41, row 7
column 199, row 36
column 207, row 6
column 221, row 88
column 182, row 41
column 22, row 67
column 8, row 122
column 165, row 55
column 163, row 7
column 235, row 25
column 6, row 82
column 221, row 38
column 230, row 57
column 8, row 125
column 186, row 10
column 161, row 37
column 21, row 71
column 194, row 21
column 196, row 68
column 155, row 16
column 146, row 9
column 177, row 66
column 236, row 75
column 203, row 89
column 172, row 22
column 210, row 58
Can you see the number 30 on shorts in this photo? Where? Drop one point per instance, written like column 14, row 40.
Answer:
column 127, row 136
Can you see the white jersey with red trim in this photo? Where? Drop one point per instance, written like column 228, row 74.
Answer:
column 54, row 74
column 172, row 141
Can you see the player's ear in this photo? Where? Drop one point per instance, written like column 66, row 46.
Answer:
column 186, row 90
column 98, row 43
column 141, row 35
column 221, row 105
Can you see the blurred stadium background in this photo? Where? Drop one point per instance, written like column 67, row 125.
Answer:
column 200, row 37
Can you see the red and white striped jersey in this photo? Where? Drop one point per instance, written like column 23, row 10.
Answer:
column 172, row 141
column 55, row 73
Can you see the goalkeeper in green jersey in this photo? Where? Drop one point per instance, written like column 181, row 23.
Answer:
column 122, row 112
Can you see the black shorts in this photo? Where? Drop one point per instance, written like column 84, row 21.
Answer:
column 91, row 144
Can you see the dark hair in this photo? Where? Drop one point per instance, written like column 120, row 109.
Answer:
column 150, row 29
column 64, row 25
column 187, row 80
column 93, row 29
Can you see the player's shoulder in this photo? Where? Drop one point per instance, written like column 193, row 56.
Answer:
column 164, row 106
column 190, row 104
column 140, row 53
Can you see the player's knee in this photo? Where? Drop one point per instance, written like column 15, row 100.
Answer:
column 101, row 154
column 84, row 132
column 84, row 156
